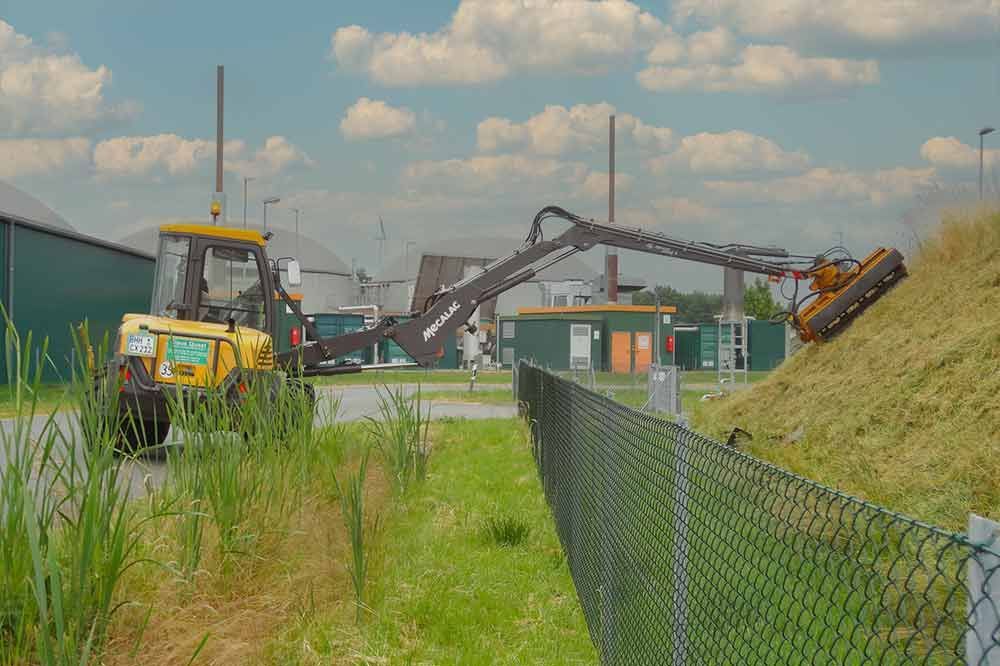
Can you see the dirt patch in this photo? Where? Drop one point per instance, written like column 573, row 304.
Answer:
column 289, row 577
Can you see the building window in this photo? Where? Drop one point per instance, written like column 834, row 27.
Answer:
column 560, row 301
column 507, row 356
column 507, row 330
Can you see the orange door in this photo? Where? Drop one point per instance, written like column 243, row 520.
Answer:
column 643, row 351
column 621, row 352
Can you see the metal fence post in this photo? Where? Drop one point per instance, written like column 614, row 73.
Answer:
column 984, row 594
column 679, row 548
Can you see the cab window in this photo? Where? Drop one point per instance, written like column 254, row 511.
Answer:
column 232, row 288
column 171, row 271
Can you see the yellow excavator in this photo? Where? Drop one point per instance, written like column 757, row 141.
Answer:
column 213, row 319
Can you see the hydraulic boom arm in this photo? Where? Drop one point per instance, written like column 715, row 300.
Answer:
column 422, row 337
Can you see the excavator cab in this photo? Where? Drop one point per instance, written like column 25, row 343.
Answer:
column 213, row 275
column 211, row 327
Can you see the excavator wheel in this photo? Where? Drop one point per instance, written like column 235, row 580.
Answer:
column 143, row 437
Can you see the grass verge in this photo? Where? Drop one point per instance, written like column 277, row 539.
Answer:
column 444, row 593
column 631, row 397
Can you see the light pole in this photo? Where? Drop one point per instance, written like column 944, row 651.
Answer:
column 246, row 179
column 298, row 252
column 983, row 132
column 269, row 200
column 406, row 255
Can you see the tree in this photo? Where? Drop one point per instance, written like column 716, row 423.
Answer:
column 697, row 306
column 758, row 301
column 701, row 306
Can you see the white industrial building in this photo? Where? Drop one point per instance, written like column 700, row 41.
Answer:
column 570, row 282
column 327, row 282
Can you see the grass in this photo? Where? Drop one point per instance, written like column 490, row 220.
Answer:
column 48, row 397
column 444, row 595
column 414, row 376
column 902, row 408
column 505, row 531
column 632, row 397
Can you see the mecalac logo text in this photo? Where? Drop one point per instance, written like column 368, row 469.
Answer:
column 432, row 330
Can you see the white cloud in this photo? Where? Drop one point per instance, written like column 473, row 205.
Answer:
column 138, row 155
column 948, row 151
column 175, row 155
column 277, row 154
column 374, row 119
column 595, row 185
column 488, row 41
column 28, row 157
column 846, row 23
column 683, row 209
column 825, row 184
column 558, row 130
column 760, row 69
column 493, row 174
column 735, row 151
column 44, row 91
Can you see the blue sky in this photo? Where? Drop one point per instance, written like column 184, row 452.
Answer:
column 764, row 121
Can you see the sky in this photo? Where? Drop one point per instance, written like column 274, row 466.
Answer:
column 791, row 122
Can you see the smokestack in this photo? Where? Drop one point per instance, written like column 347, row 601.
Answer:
column 220, row 92
column 611, row 253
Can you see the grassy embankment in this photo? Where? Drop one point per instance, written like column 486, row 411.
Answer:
column 246, row 542
column 903, row 408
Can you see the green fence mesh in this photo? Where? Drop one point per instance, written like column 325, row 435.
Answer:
column 687, row 551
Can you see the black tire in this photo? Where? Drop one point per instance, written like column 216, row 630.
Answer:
column 143, row 437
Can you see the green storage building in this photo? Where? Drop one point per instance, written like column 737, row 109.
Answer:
column 697, row 345
column 52, row 279
column 616, row 338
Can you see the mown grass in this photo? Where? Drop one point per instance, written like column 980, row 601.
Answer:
column 414, row 376
column 632, row 397
column 442, row 594
column 902, row 408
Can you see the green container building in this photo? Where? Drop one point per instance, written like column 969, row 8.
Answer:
column 332, row 324
column 622, row 338
column 54, row 279
column 687, row 347
column 559, row 342
column 766, row 345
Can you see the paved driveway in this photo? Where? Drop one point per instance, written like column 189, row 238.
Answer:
column 356, row 402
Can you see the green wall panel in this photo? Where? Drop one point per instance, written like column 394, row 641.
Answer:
column 546, row 340
column 767, row 345
column 59, row 282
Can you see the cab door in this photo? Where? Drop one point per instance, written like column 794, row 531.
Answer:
column 230, row 280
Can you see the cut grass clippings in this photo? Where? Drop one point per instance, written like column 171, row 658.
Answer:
column 441, row 593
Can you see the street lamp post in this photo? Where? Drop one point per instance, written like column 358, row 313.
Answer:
column 298, row 252
column 406, row 254
column 269, row 200
column 983, row 132
column 246, row 179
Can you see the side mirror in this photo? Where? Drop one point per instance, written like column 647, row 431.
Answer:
column 294, row 274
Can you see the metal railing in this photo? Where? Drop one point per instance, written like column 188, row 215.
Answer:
column 687, row 551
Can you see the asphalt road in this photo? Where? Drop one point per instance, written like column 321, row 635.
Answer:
column 356, row 402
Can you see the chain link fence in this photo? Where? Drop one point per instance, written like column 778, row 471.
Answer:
column 687, row 551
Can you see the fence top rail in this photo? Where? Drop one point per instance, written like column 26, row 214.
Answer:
column 770, row 468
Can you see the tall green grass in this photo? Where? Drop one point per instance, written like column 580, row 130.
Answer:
column 352, row 508
column 400, row 433
column 69, row 530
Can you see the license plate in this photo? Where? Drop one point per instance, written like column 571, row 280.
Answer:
column 141, row 345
